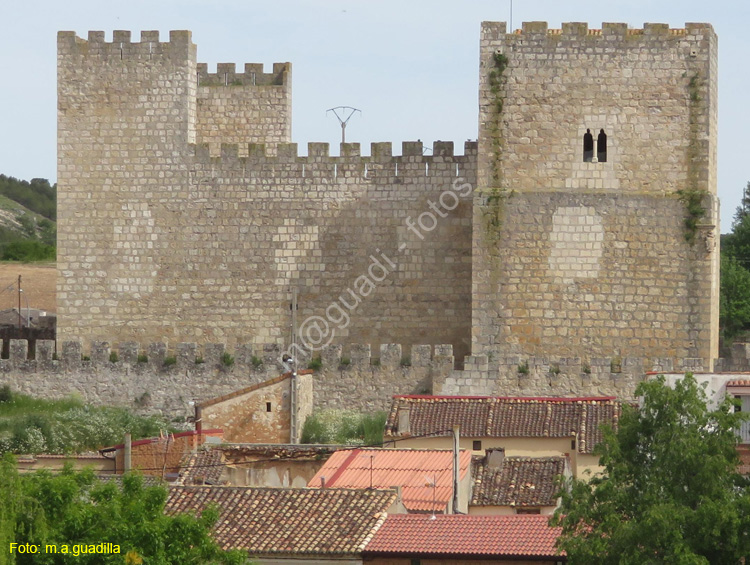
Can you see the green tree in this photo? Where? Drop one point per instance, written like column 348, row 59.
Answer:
column 77, row 508
column 669, row 493
column 734, row 309
column 743, row 210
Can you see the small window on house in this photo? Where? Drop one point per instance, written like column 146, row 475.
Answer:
column 601, row 147
column 738, row 406
column 573, row 444
column 477, row 445
column 416, row 562
column 588, row 147
column 528, row 511
column 268, row 406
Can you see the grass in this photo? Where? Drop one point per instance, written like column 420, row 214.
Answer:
column 34, row 425
column 344, row 427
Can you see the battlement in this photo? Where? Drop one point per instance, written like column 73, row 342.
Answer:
column 159, row 355
column 411, row 151
column 609, row 30
column 123, row 47
column 226, row 75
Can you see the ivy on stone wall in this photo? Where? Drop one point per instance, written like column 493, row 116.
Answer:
column 693, row 196
column 500, row 63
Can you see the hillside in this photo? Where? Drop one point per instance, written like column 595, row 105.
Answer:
column 28, row 231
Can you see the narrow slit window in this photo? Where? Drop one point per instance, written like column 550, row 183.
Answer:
column 601, row 147
column 268, row 406
column 588, row 147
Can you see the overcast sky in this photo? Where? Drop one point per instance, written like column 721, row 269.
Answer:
column 410, row 66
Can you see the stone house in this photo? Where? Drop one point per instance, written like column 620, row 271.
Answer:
column 270, row 412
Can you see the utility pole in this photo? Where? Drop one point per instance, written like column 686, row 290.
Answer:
column 19, row 304
column 343, row 114
column 456, row 435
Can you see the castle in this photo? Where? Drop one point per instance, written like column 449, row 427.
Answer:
column 575, row 240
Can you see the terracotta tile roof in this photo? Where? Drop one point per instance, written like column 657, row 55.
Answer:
column 739, row 382
column 148, row 480
column 518, row 481
column 459, row 535
column 408, row 468
column 268, row 521
column 206, row 466
column 506, row 417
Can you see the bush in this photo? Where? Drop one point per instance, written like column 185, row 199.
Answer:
column 344, row 427
column 27, row 250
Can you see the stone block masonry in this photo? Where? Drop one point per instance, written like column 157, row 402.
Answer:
column 588, row 256
column 185, row 214
column 585, row 251
column 154, row 378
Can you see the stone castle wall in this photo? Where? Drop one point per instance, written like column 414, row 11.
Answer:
column 161, row 239
column 185, row 215
column 242, row 108
column 590, row 259
column 156, row 379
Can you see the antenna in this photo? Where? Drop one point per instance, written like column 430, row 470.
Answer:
column 343, row 115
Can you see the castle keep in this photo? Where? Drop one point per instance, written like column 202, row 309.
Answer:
column 185, row 213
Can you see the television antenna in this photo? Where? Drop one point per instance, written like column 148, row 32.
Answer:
column 343, row 115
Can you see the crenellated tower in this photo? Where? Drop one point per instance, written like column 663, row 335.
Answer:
column 596, row 223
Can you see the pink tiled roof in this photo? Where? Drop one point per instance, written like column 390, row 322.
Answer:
column 484, row 416
column 408, row 468
column 739, row 382
column 459, row 535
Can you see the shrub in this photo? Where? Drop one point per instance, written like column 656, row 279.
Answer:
column 227, row 360
column 169, row 361
column 256, row 361
column 316, row 364
column 113, row 358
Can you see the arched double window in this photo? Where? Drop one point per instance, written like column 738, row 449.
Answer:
column 589, row 149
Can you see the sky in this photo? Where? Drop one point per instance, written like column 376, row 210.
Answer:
column 411, row 66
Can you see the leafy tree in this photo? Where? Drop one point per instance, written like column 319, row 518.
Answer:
column 734, row 310
column 743, row 210
column 669, row 493
column 37, row 195
column 77, row 508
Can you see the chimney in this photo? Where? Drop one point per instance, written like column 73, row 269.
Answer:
column 322, row 482
column 495, row 458
column 127, row 451
column 404, row 417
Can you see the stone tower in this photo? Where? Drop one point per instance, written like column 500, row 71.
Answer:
column 595, row 222
column 186, row 215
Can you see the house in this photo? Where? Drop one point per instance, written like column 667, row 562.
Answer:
column 424, row 476
column 523, row 427
column 515, row 485
column 262, row 413
column 160, row 456
column 321, row 526
column 255, row 465
column 413, row 539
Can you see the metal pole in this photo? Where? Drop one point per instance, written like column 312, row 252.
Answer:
column 127, row 453
column 19, row 304
column 456, row 432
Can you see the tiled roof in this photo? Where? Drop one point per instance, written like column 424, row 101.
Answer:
column 408, row 468
column 506, row 417
column 148, row 480
column 518, row 481
column 272, row 521
column 205, row 466
column 739, row 382
column 459, row 535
